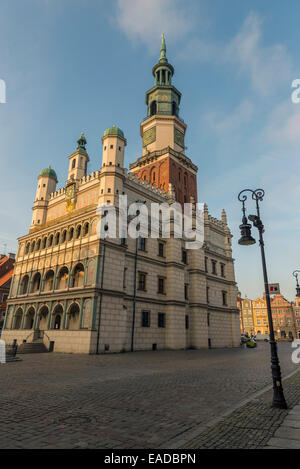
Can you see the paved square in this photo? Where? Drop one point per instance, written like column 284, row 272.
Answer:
column 139, row 400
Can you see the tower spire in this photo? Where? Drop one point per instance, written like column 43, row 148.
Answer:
column 163, row 50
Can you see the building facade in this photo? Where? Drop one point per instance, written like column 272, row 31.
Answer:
column 283, row 316
column 246, row 316
column 6, row 273
column 296, row 314
column 91, row 295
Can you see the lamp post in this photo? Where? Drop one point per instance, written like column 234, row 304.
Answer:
column 245, row 240
column 295, row 274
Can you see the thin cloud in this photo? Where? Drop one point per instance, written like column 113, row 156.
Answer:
column 225, row 123
column 268, row 66
column 145, row 21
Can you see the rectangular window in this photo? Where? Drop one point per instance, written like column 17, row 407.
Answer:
column 207, row 295
column 223, row 270
column 145, row 318
column 184, row 256
column 205, row 264
column 143, row 244
column 187, row 321
column 224, row 298
column 186, row 291
column 208, row 319
column 142, row 281
column 124, row 277
column 161, row 285
column 214, row 267
column 161, row 249
column 161, row 320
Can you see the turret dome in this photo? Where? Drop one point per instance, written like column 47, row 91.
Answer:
column 114, row 131
column 48, row 172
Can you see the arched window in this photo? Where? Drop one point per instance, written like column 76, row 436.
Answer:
column 36, row 281
column 57, row 316
column 73, row 163
column 153, row 108
column 18, row 318
column 24, row 285
column 86, row 229
column 50, row 240
column 43, row 318
column 174, row 109
column 57, row 238
column 29, row 318
column 27, row 248
column 32, row 246
column 44, row 244
column 73, row 317
column 48, row 281
column 63, row 236
column 71, row 233
column 78, row 231
column 62, row 279
column 78, row 276
column 38, row 245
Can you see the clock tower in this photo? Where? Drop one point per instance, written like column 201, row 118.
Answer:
column 163, row 159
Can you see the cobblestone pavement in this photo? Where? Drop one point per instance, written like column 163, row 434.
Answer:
column 139, row 400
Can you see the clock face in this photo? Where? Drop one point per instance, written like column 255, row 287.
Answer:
column 149, row 136
column 70, row 191
column 179, row 138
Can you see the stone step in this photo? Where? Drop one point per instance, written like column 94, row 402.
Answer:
column 32, row 347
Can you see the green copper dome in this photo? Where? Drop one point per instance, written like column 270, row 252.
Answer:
column 114, row 131
column 48, row 172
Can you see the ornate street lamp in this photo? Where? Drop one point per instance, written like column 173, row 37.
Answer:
column 246, row 239
column 295, row 274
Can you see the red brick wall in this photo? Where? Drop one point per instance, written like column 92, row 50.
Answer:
column 166, row 171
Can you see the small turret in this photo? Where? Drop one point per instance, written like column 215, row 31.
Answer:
column 114, row 144
column 78, row 160
column 47, row 181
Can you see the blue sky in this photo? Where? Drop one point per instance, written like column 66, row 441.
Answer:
column 74, row 65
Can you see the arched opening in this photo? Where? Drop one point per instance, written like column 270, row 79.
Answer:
column 73, row 317
column 153, row 176
column 56, row 242
column 48, row 281
column 63, row 236
column 38, row 245
column 86, row 229
column 44, row 243
column 24, row 285
column 50, row 240
column 153, row 108
column 36, row 282
column 18, row 318
column 32, row 246
column 78, row 276
column 57, row 317
column 29, row 318
column 174, row 109
column 43, row 318
column 78, row 231
column 27, row 248
column 71, row 233
column 62, row 279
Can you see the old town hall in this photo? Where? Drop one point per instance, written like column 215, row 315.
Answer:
column 84, row 294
